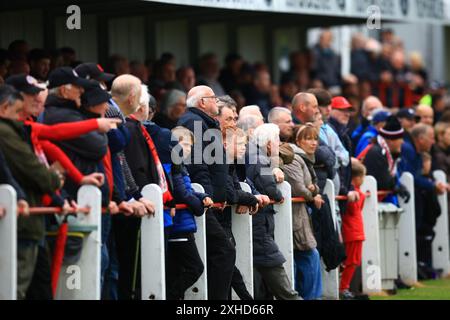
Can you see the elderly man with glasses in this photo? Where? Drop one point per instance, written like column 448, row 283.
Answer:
column 210, row 170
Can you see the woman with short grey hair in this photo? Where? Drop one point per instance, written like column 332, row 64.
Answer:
column 171, row 108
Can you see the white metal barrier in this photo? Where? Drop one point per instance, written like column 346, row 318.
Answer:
column 330, row 280
column 88, row 267
column 152, row 244
column 283, row 230
column 407, row 234
column 153, row 268
column 440, row 246
column 199, row 290
column 371, row 260
column 8, row 244
column 242, row 229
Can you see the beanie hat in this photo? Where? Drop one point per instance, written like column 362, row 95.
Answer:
column 392, row 130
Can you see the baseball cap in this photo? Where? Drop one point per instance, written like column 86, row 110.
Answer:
column 340, row 102
column 380, row 116
column 65, row 75
column 94, row 94
column 406, row 113
column 90, row 70
column 24, row 83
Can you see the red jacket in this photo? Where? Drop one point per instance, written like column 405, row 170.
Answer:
column 41, row 133
column 352, row 220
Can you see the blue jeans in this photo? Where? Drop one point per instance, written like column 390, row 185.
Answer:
column 308, row 276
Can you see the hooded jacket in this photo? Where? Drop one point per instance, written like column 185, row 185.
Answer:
column 300, row 174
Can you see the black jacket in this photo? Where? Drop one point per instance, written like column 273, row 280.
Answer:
column 265, row 250
column 235, row 195
column 377, row 166
column 6, row 177
column 137, row 153
column 86, row 151
column 213, row 177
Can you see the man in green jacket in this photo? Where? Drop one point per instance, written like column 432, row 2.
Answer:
column 35, row 178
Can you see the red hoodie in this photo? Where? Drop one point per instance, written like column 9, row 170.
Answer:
column 352, row 219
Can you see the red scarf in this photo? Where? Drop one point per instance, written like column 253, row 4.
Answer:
column 167, row 196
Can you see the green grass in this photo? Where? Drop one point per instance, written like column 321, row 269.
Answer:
column 432, row 290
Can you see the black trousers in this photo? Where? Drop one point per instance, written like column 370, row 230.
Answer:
column 184, row 265
column 128, row 255
column 41, row 283
column 221, row 257
column 237, row 282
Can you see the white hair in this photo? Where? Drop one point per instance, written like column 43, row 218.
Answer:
column 246, row 123
column 145, row 96
column 248, row 110
column 194, row 100
column 55, row 91
column 275, row 112
column 265, row 133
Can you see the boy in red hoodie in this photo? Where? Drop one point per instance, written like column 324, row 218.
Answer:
column 353, row 231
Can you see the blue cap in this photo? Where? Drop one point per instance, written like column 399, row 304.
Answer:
column 380, row 116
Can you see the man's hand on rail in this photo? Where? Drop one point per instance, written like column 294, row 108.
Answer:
column 402, row 192
column 318, row 201
column 150, row 206
column 207, row 202
column 263, row 200
column 125, row 208
column 139, row 209
column 23, row 207
column 278, row 174
column 441, row 187
column 242, row 209
column 97, row 179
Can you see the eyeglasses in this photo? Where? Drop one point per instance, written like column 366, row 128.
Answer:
column 212, row 97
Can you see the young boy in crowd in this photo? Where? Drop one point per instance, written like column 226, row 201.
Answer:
column 184, row 265
column 353, row 231
column 235, row 142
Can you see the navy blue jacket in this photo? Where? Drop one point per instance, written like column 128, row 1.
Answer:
column 412, row 162
column 265, row 250
column 213, row 177
column 184, row 220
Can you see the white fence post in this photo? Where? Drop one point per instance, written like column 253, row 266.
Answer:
column 330, row 280
column 199, row 290
column 87, row 271
column 407, row 234
column 153, row 268
column 242, row 229
column 441, row 255
column 283, row 230
column 8, row 244
column 371, row 256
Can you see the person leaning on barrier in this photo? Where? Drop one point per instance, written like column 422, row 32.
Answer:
column 270, row 276
column 211, row 172
column 303, row 180
column 184, row 265
column 35, row 178
column 235, row 141
column 381, row 161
